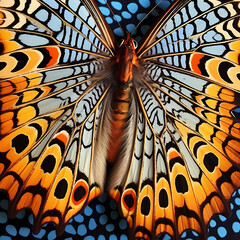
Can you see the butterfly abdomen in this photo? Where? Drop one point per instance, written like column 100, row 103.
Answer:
column 120, row 114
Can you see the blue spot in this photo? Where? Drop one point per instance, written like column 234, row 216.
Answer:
column 102, row 1
column 103, row 219
column 113, row 204
column 105, row 11
column 88, row 211
column 92, row 224
column 54, row 23
column 222, row 232
column 118, row 32
column 3, row 217
column 89, row 238
column 112, row 237
column 21, row 214
column 73, row 56
column 239, row 188
column 79, row 218
column 118, row 18
column 163, row 4
column 70, row 229
column 222, row 218
column 212, row 223
column 45, row 224
column 218, row 37
column 114, row 215
column 234, row 193
column 132, row 7
column 123, row 237
column 42, row 15
column 100, row 208
column 211, row 238
column 236, row 227
column 109, row 20
column 231, row 206
column 110, row 227
column 11, row 230
column 73, row 5
column 140, row 16
column 81, row 230
column 126, row 15
column 4, row 204
column 184, row 234
column 123, row 224
column 52, row 4
column 40, row 234
column 30, row 219
column 237, row 201
column 194, row 233
column 52, row 235
column 23, row 231
column 130, row 27
column 4, row 237
column 236, row 112
column 116, row 5
column 144, row 3
column 103, row 198
column 69, row 238
column 68, row 16
column 167, row 237
column 101, row 237
column 238, row 214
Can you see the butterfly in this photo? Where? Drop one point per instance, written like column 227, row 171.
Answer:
column 163, row 116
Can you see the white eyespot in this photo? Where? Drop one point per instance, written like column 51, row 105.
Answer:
column 135, row 43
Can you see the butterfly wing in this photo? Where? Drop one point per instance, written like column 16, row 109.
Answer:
column 184, row 163
column 51, row 106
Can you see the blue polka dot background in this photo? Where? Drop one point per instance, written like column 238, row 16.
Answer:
column 129, row 13
column 101, row 220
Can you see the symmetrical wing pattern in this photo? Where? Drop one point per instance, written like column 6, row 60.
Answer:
column 179, row 163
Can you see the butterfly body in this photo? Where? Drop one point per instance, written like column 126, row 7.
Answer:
column 119, row 117
column 123, row 64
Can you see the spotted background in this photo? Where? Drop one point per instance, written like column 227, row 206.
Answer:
column 101, row 220
column 129, row 13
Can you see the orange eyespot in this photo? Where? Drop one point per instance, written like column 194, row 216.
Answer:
column 80, row 192
column 129, row 199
